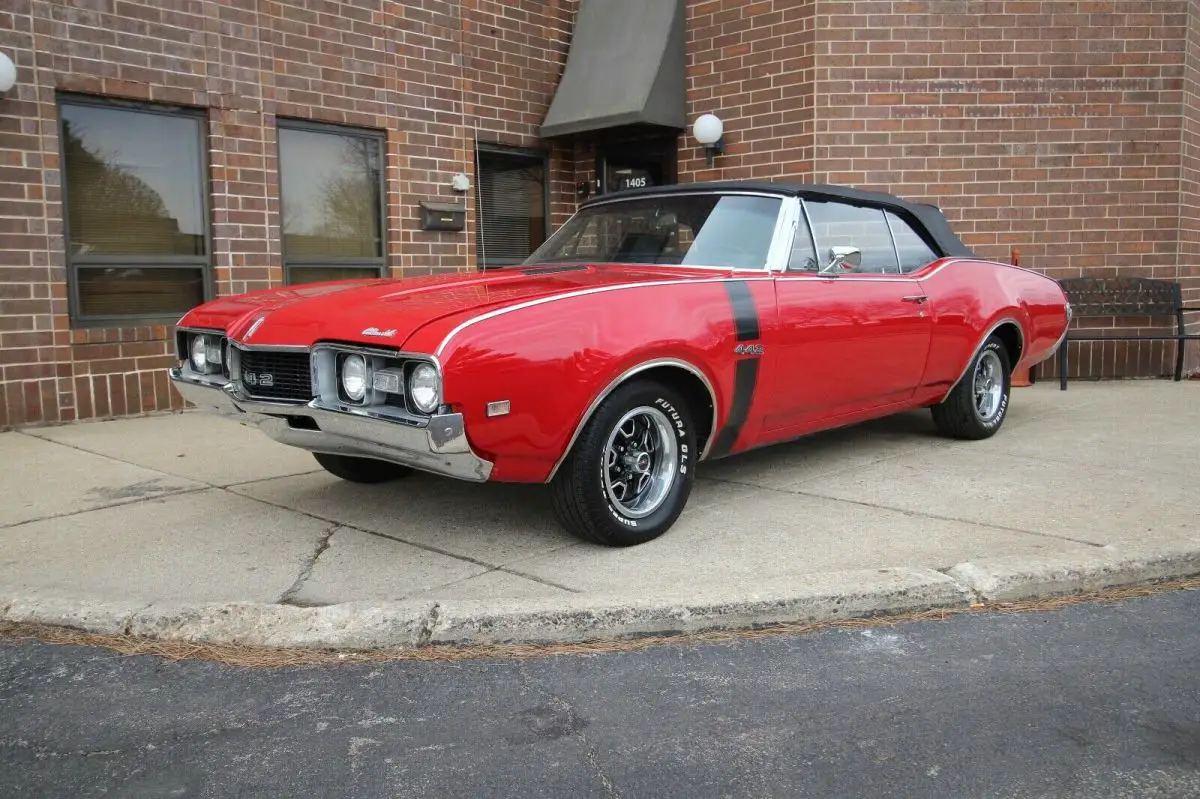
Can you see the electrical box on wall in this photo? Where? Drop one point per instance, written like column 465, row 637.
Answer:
column 443, row 216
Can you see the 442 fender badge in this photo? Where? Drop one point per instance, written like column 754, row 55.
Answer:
column 748, row 349
column 377, row 333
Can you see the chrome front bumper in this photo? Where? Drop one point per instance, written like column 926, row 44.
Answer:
column 439, row 446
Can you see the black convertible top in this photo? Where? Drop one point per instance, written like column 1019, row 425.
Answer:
column 927, row 218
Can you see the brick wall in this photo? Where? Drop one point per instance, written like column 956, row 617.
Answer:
column 1189, row 191
column 410, row 69
column 751, row 64
column 1061, row 128
column 1053, row 127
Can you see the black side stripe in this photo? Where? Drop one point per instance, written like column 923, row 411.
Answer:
column 745, row 376
column 745, row 315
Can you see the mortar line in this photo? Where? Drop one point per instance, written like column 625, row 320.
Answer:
column 921, row 514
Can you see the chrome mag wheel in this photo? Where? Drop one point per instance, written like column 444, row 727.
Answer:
column 641, row 462
column 989, row 386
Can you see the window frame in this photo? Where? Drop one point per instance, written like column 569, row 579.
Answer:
column 917, row 229
column 379, row 263
column 495, row 148
column 864, row 206
column 74, row 262
column 887, row 215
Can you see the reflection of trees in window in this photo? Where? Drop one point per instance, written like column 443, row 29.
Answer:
column 350, row 198
column 336, row 210
column 114, row 211
column 133, row 191
column 332, row 203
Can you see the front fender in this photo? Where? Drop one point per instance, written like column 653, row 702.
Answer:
column 552, row 361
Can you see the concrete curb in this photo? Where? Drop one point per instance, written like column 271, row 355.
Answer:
column 1011, row 579
column 803, row 599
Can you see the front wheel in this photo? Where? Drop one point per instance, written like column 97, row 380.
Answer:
column 361, row 470
column 629, row 474
column 977, row 406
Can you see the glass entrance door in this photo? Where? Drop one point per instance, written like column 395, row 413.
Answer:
column 636, row 164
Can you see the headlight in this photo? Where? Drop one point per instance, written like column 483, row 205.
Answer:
column 423, row 388
column 204, row 353
column 199, row 354
column 354, row 377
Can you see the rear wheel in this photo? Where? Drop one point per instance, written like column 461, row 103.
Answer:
column 630, row 472
column 361, row 470
column 977, row 406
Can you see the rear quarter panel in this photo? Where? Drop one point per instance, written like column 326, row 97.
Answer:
column 968, row 298
column 552, row 360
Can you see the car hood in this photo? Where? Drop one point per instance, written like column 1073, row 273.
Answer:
column 388, row 312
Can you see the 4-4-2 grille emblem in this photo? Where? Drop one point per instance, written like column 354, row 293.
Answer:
column 258, row 379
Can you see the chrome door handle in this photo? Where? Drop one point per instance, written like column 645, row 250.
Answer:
column 919, row 299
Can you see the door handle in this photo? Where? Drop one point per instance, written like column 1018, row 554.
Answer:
column 919, row 299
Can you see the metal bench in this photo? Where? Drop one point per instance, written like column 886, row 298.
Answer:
column 1125, row 297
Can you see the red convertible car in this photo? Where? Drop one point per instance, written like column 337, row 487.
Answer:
column 656, row 329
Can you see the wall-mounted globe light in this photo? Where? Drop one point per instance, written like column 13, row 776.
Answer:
column 709, row 132
column 8, row 73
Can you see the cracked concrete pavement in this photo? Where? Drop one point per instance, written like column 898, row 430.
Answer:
column 194, row 527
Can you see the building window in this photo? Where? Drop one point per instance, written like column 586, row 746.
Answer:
column 331, row 186
column 511, row 205
column 136, row 205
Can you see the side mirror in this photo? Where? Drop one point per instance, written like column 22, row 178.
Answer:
column 843, row 257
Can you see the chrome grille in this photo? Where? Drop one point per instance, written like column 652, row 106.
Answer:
column 274, row 374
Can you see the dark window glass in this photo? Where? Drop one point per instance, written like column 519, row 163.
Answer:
column 137, row 221
column 319, row 274
column 914, row 252
column 142, row 291
column 730, row 231
column 842, row 225
column 331, row 202
column 510, row 207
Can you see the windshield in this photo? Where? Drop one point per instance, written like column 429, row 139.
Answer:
column 730, row 231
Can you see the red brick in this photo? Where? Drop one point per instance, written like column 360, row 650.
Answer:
column 994, row 116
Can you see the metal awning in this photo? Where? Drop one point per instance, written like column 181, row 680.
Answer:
column 626, row 67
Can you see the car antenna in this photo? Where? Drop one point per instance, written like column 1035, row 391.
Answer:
column 479, row 203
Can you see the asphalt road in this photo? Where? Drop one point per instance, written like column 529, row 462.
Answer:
column 1093, row 701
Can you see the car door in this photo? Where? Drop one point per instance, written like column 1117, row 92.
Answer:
column 850, row 339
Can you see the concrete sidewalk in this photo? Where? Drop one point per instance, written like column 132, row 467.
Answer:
column 188, row 526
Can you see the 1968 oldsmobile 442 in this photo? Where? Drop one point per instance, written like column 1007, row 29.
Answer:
column 656, row 329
